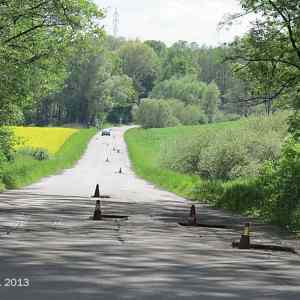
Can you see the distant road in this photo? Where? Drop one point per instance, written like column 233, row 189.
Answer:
column 94, row 169
column 47, row 239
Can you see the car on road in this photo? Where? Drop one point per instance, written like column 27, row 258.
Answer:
column 106, row 132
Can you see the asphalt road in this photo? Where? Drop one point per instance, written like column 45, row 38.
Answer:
column 48, row 242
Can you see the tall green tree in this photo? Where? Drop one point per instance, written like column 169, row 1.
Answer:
column 187, row 89
column 179, row 61
column 159, row 47
column 119, row 91
column 270, row 53
column 140, row 62
column 211, row 101
column 35, row 38
column 81, row 100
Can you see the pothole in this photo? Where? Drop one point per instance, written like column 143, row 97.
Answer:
column 267, row 247
column 104, row 217
column 190, row 224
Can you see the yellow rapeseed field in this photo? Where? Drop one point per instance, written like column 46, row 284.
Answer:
column 43, row 137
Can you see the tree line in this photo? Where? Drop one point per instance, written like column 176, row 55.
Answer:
column 108, row 77
column 59, row 67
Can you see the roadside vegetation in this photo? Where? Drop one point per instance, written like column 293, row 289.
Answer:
column 27, row 165
column 250, row 166
column 147, row 149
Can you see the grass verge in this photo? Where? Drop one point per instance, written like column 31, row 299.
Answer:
column 270, row 195
column 144, row 150
column 143, row 147
column 25, row 170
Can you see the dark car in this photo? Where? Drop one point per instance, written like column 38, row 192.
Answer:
column 106, row 132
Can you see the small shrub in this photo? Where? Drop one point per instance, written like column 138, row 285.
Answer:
column 242, row 195
column 225, row 117
column 192, row 115
column 41, row 154
column 7, row 143
column 154, row 113
column 9, row 180
column 210, row 191
column 36, row 153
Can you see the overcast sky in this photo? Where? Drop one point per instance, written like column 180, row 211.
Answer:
column 172, row 20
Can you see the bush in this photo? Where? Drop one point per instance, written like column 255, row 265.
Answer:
column 7, row 143
column 41, row 154
column 36, row 153
column 225, row 117
column 228, row 153
column 242, row 195
column 187, row 114
column 281, row 187
column 187, row 89
column 154, row 113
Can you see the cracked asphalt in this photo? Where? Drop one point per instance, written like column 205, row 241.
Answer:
column 47, row 237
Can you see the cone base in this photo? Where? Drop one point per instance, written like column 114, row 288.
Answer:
column 244, row 242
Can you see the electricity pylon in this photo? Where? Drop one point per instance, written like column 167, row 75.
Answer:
column 116, row 22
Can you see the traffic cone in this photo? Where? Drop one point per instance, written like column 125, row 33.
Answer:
column 193, row 215
column 97, row 192
column 97, row 212
column 245, row 238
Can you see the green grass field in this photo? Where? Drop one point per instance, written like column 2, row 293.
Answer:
column 25, row 170
column 144, row 150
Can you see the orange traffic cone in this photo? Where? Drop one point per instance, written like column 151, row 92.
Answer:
column 245, row 238
column 97, row 212
column 193, row 215
column 97, row 192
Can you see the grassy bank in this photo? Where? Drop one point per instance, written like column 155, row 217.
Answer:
column 25, row 169
column 240, row 166
column 144, row 148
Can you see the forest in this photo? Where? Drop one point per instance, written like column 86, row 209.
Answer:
column 59, row 67
column 91, row 76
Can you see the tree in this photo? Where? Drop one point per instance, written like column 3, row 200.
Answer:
column 159, row 47
column 140, row 62
column 35, row 39
column 187, row 114
column 211, row 100
column 79, row 100
column 119, row 91
column 179, row 61
column 187, row 89
column 270, row 52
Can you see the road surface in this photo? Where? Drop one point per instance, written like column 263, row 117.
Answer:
column 48, row 242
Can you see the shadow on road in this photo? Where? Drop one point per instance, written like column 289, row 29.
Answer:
column 50, row 240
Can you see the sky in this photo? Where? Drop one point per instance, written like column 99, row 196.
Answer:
column 173, row 20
